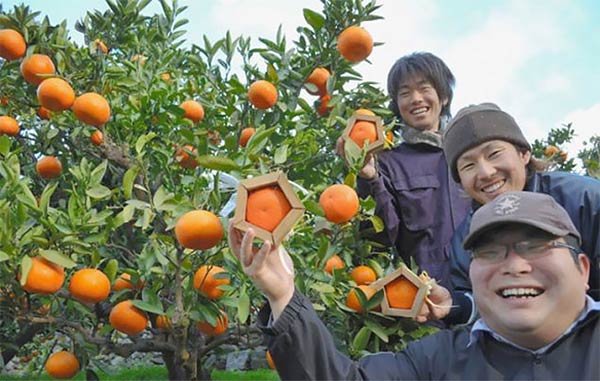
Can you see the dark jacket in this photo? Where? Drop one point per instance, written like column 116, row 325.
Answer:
column 303, row 349
column 579, row 195
column 419, row 203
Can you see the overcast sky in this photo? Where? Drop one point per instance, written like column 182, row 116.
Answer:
column 537, row 59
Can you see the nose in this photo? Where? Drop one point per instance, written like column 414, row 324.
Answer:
column 515, row 264
column 485, row 169
column 416, row 96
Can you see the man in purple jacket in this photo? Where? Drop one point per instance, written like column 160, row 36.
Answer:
column 416, row 197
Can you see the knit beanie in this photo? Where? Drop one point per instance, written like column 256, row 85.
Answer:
column 476, row 124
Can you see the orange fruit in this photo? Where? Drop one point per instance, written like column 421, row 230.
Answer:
column 36, row 64
column 8, row 126
column 323, row 108
column 123, row 282
column 246, row 135
column 89, row 285
column 97, row 138
column 139, row 57
column 551, row 150
column 92, row 109
column 355, row 43
column 319, row 78
column 362, row 131
column 199, row 230
column 266, row 207
column 165, row 77
column 126, row 318
column 100, row 46
column 270, row 360
column 262, row 94
column 48, row 167
column 400, row 293
column 55, row 94
column 193, row 111
column 206, row 283
column 389, row 136
column 352, row 300
column 4, row 100
column 335, row 262
column 45, row 277
column 62, row 365
column 364, row 111
column 210, row 330
column 363, row 275
column 184, row 159
column 339, row 202
column 43, row 113
column 12, row 45
column 163, row 322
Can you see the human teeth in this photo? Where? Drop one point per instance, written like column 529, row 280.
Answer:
column 419, row 110
column 494, row 187
column 520, row 292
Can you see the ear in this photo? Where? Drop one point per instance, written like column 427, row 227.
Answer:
column 526, row 156
column 584, row 264
column 444, row 102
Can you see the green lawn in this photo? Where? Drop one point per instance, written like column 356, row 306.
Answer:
column 158, row 373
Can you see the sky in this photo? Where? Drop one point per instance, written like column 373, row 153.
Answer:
column 537, row 59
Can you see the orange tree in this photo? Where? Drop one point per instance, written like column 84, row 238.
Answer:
column 144, row 138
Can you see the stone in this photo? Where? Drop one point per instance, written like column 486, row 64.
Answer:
column 237, row 360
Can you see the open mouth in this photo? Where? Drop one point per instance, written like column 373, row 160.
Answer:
column 520, row 292
column 494, row 187
column 419, row 111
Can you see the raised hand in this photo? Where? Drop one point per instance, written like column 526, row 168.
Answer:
column 270, row 268
column 368, row 171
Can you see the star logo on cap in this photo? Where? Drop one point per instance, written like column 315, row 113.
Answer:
column 507, row 205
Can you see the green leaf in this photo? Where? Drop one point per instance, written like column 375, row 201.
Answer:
column 46, row 195
column 377, row 330
column 216, row 162
column 149, row 307
column 98, row 173
column 361, row 339
column 314, row 19
column 142, row 140
column 378, row 223
column 98, row 192
column 26, row 263
column 128, row 179
column 281, row 154
column 3, row 256
column 4, row 145
column 323, row 288
column 350, row 180
column 111, row 269
column 243, row 307
column 314, row 207
column 161, row 196
column 258, row 140
column 26, row 196
column 58, row 258
column 376, row 267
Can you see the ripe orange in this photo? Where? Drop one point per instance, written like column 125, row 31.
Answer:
column 12, row 45
column 199, row 230
column 126, row 318
column 55, row 94
column 364, row 111
column 48, row 167
column 45, row 277
column 100, row 46
column 36, row 64
column 551, row 150
column 355, row 43
column 163, row 322
column 363, row 275
column 193, row 111
column 184, row 159
column 92, row 109
column 319, row 78
column 267, row 207
column 89, row 285
column 123, row 282
column 220, row 328
column 206, row 283
column 352, row 300
column 400, row 293
column 362, row 131
column 323, row 108
column 139, row 57
column 270, row 360
column 62, row 365
column 43, row 113
column 165, row 77
column 340, row 203
column 262, row 94
column 97, row 138
column 246, row 135
column 335, row 262
column 8, row 126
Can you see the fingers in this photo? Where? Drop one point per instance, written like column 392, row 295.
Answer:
column 339, row 147
column 246, row 248
column 260, row 257
column 234, row 238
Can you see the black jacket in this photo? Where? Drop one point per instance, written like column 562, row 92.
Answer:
column 303, row 349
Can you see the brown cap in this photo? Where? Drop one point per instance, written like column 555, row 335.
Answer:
column 476, row 124
column 534, row 209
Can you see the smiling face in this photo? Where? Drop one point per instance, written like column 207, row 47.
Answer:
column 492, row 168
column 530, row 302
column 419, row 104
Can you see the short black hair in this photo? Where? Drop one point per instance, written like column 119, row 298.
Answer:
column 429, row 66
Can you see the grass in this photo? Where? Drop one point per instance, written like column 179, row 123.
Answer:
column 156, row 373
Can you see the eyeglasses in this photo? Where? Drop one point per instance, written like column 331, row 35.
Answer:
column 528, row 250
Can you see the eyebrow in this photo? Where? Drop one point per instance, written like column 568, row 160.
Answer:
column 419, row 83
column 486, row 146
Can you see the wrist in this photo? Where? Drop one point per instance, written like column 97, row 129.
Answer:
column 279, row 303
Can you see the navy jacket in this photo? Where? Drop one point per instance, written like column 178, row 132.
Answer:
column 419, row 203
column 303, row 349
column 579, row 195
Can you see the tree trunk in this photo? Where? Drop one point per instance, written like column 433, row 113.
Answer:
column 26, row 335
column 175, row 367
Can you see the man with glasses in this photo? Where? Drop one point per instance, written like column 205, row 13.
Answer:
column 529, row 281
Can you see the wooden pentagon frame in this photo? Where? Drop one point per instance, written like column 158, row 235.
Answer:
column 375, row 146
column 422, row 289
column 287, row 223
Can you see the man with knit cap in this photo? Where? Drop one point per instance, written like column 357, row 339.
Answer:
column 488, row 155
